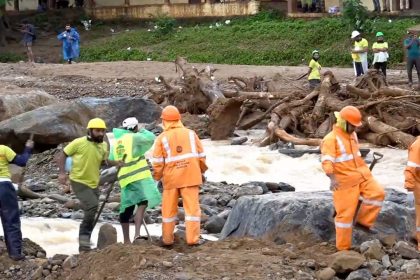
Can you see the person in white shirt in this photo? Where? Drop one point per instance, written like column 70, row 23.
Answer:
column 380, row 51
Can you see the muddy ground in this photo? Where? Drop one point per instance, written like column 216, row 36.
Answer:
column 231, row 259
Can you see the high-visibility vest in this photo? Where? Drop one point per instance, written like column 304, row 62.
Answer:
column 136, row 168
column 179, row 156
column 412, row 170
column 341, row 157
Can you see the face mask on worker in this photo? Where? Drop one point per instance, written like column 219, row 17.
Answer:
column 68, row 29
column 96, row 135
column 358, row 38
column 380, row 40
column 350, row 128
column 341, row 123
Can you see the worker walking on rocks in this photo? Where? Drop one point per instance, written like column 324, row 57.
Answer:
column 412, row 180
column 179, row 162
column 350, row 178
column 9, row 208
column 138, row 189
column 88, row 153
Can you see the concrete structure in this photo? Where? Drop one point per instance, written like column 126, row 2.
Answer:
column 292, row 5
column 28, row 5
column 155, row 8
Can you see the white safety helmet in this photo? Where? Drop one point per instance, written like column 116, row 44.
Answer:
column 354, row 34
column 130, row 123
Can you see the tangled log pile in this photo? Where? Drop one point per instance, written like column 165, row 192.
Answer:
column 391, row 114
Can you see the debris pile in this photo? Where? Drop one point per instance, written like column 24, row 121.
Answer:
column 391, row 114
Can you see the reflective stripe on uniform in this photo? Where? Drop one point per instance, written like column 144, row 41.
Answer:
column 343, row 225
column 327, row 158
column 192, row 219
column 5, row 180
column 166, row 146
column 134, row 162
column 157, row 160
column 344, row 155
column 372, row 202
column 134, row 172
column 170, row 158
column 412, row 164
column 169, row 220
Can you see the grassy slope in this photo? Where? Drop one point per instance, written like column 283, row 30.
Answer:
column 258, row 40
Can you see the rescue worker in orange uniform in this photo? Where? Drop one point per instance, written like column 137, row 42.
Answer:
column 179, row 163
column 350, row 178
column 412, row 180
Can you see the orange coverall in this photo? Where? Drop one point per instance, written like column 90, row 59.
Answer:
column 179, row 162
column 412, row 180
column 341, row 157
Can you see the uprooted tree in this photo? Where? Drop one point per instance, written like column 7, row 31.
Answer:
column 288, row 111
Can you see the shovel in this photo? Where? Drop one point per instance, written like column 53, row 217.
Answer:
column 108, row 193
column 376, row 157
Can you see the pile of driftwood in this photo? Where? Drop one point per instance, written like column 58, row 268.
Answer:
column 289, row 112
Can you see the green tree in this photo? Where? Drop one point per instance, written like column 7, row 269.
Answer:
column 3, row 22
column 356, row 14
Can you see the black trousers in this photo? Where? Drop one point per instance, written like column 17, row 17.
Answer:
column 359, row 69
column 10, row 218
column 381, row 66
column 411, row 63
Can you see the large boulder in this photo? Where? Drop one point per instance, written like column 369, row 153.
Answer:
column 281, row 217
column 65, row 121
column 15, row 101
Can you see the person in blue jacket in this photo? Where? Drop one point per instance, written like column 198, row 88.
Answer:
column 70, row 39
column 9, row 207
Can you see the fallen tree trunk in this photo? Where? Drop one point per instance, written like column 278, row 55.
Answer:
column 283, row 135
column 357, row 92
column 392, row 133
column 377, row 139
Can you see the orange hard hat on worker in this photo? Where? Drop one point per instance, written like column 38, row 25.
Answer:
column 170, row 113
column 352, row 115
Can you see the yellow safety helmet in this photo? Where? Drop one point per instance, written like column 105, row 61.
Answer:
column 96, row 123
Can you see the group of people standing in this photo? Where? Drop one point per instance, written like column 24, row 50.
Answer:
column 359, row 54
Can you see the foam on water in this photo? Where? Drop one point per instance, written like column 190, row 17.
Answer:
column 233, row 164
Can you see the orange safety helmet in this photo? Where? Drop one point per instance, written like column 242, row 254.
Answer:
column 170, row 113
column 352, row 115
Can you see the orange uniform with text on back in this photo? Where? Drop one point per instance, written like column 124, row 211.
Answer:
column 179, row 162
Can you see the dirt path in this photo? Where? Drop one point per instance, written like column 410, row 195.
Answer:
column 150, row 69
